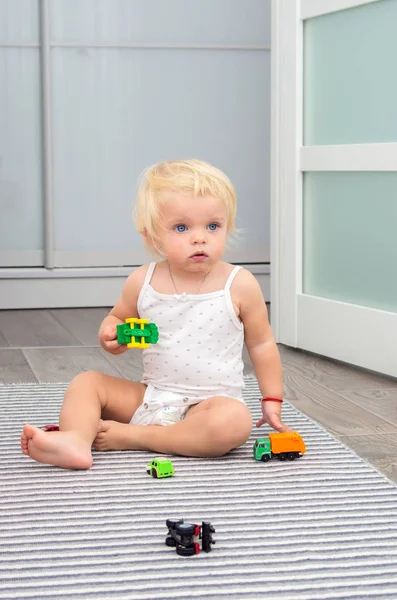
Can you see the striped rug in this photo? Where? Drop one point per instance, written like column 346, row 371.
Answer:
column 323, row 526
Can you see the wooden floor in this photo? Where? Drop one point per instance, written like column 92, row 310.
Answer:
column 358, row 407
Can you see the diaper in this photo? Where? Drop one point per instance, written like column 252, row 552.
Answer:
column 162, row 408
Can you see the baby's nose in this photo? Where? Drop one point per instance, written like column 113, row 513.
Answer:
column 199, row 237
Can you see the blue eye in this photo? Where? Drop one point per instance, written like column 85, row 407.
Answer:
column 213, row 226
column 180, row 228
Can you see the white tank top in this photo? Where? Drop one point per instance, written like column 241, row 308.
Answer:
column 199, row 352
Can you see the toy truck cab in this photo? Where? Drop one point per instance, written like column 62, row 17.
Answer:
column 160, row 467
column 262, row 450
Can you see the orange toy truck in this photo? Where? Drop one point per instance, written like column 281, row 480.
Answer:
column 284, row 446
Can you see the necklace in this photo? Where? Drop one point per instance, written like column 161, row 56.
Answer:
column 183, row 296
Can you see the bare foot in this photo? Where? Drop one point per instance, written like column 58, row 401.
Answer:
column 59, row 448
column 113, row 435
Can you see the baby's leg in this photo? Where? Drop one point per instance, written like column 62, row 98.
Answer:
column 212, row 427
column 89, row 396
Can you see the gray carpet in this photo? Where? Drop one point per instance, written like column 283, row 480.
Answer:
column 323, row 526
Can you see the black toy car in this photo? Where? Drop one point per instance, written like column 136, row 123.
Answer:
column 184, row 537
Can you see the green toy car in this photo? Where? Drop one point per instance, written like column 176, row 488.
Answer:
column 160, row 467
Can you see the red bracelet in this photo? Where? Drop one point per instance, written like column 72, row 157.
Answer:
column 271, row 400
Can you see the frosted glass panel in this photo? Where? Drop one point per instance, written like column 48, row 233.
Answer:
column 19, row 21
column 350, row 83
column 20, row 151
column 195, row 21
column 349, row 237
column 117, row 111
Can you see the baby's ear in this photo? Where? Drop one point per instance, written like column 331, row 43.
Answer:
column 147, row 238
column 149, row 242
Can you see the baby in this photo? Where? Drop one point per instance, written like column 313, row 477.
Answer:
column 189, row 401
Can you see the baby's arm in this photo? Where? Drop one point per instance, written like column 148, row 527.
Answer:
column 261, row 346
column 125, row 307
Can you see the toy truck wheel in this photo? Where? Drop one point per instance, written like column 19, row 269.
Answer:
column 169, row 541
column 291, row 455
column 185, row 529
column 282, row 456
column 172, row 523
column 265, row 458
column 189, row 551
column 154, row 473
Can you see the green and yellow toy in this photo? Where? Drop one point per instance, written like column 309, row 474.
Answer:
column 137, row 333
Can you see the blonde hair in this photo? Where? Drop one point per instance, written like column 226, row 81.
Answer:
column 185, row 176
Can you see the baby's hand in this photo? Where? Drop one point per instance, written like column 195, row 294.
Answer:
column 108, row 340
column 272, row 416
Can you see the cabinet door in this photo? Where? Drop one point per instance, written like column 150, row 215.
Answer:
column 129, row 90
column 21, row 195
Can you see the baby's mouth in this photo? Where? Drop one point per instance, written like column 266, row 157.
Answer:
column 199, row 256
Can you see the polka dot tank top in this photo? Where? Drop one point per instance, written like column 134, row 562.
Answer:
column 199, row 352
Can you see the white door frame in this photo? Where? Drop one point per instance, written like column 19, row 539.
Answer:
column 355, row 334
